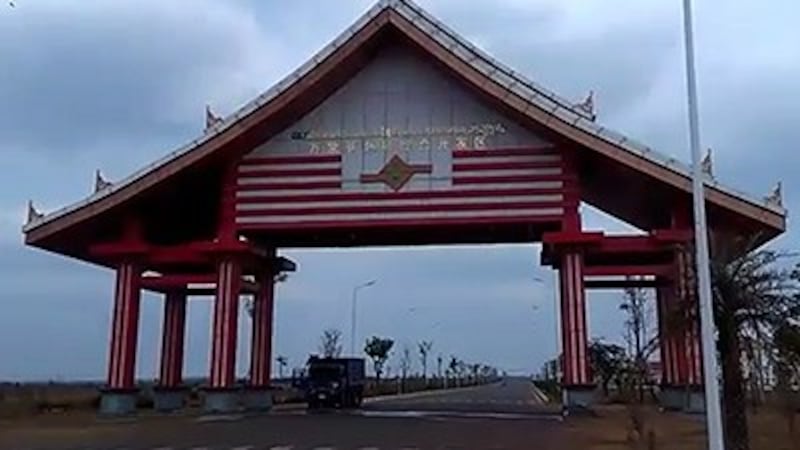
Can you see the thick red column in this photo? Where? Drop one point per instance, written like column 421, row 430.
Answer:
column 573, row 320
column 172, row 343
column 124, row 328
column 669, row 335
column 690, row 356
column 226, row 314
column 261, row 348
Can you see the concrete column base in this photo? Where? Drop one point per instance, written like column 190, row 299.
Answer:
column 118, row 402
column 169, row 399
column 578, row 398
column 680, row 398
column 672, row 398
column 697, row 401
column 221, row 401
column 257, row 399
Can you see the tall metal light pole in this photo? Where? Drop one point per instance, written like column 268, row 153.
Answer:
column 713, row 410
column 353, row 316
column 556, row 317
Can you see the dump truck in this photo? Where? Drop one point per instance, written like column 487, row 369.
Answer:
column 334, row 382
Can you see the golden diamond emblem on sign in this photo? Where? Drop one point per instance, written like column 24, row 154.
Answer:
column 396, row 173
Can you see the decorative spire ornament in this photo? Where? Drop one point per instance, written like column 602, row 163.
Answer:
column 211, row 118
column 776, row 196
column 100, row 183
column 708, row 164
column 33, row 214
column 587, row 106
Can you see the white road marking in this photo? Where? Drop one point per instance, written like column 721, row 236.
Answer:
column 369, row 448
column 244, row 447
column 281, row 447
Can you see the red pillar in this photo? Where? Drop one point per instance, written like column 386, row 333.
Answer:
column 124, row 328
column 669, row 336
column 573, row 320
column 261, row 348
column 691, row 358
column 172, row 343
column 226, row 314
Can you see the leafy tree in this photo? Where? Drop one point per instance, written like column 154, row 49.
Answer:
column 378, row 350
column 608, row 361
column 453, row 365
column 787, row 369
column 425, row 348
column 475, row 369
column 641, row 343
column 330, row 343
column 405, row 366
column 753, row 294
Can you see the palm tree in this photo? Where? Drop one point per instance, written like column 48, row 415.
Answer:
column 753, row 295
column 282, row 362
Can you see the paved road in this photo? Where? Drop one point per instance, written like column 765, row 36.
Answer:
column 513, row 396
column 489, row 417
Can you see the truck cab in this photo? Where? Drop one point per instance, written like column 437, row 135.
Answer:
column 334, row 382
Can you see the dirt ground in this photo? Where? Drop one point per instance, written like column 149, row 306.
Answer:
column 609, row 430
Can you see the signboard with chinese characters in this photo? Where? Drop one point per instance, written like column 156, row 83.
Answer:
column 413, row 142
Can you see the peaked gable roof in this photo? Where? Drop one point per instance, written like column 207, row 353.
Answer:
column 452, row 51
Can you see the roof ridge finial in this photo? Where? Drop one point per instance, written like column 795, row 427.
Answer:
column 33, row 214
column 100, row 183
column 211, row 118
column 775, row 197
column 707, row 165
column 587, row 106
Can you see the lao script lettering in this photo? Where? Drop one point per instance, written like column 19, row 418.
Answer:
column 470, row 137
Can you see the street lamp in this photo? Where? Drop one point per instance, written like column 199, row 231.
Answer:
column 556, row 317
column 353, row 316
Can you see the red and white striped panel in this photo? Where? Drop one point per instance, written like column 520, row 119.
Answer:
column 573, row 321
column 497, row 186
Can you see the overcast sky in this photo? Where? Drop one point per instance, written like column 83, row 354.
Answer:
column 88, row 84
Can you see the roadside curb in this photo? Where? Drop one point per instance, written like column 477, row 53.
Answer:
column 289, row 407
column 420, row 394
column 539, row 394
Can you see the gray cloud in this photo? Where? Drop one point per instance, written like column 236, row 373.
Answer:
column 129, row 69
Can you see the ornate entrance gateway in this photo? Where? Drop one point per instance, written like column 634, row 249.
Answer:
column 398, row 133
